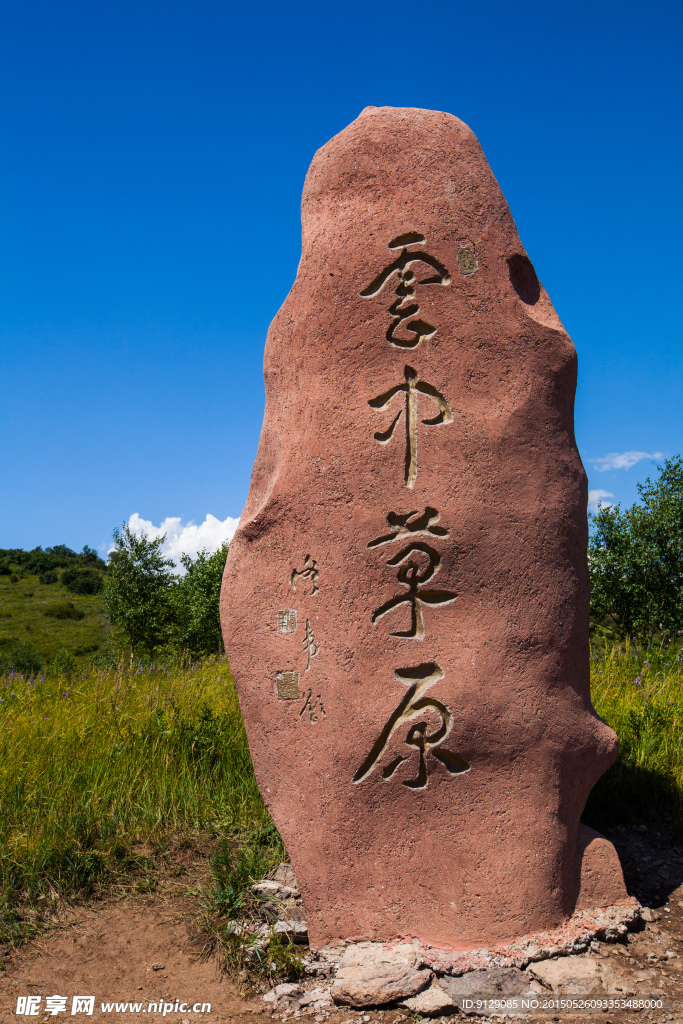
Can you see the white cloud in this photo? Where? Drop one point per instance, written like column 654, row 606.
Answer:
column 186, row 538
column 623, row 460
column 598, row 497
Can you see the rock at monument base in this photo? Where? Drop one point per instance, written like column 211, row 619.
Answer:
column 602, row 880
column 371, row 975
column 582, row 976
column 431, row 1002
column 317, row 999
column 490, row 984
column 405, row 602
column 284, row 995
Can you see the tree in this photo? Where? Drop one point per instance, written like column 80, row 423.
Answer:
column 137, row 591
column 635, row 560
column 196, row 598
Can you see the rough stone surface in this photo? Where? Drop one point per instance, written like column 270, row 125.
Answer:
column 285, row 995
column 431, row 1002
column 318, row 998
column 506, row 981
column 602, row 880
column 405, row 602
column 582, row 976
column 370, row 975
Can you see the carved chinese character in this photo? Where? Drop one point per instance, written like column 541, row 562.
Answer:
column 405, row 307
column 311, row 705
column 412, row 389
column 286, row 620
column 309, row 644
column 309, row 572
column 418, row 679
column 401, row 524
column 413, row 577
column 287, row 686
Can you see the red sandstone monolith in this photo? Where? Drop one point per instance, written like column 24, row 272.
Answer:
column 405, row 603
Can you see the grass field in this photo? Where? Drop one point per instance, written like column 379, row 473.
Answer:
column 22, row 619
column 101, row 771
column 97, row 768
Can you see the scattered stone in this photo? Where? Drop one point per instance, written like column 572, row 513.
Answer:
column 649, row 915
column 268, row 885
column 283, row 996
column 317, row 999
column 158, row 967
column 371, row 974
column 295, row 929
column 430, row 1002
column 284, row 874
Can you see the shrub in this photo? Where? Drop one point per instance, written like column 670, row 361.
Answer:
column 23, row 657
column 48, row 577
column 64, row 663
column 64, row 610
column 82, row 581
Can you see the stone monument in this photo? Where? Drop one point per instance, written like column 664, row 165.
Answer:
column 405, row 602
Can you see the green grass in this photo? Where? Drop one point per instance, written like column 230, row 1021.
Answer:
column 96, row 766
column 23, row 619
column 103, row 771
column 641, row 697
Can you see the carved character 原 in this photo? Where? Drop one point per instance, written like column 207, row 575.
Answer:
column 418, row 679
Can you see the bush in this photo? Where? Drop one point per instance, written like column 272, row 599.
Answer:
column 64, row 663
column 64, row 610
column 82, row 581
column 23, row 657
column 48, row 577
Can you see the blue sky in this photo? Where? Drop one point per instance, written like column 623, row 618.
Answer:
column 151, row 171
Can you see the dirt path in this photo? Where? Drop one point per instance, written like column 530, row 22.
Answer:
column 146, row 951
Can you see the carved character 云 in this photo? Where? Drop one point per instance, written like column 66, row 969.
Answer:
column 405, row 307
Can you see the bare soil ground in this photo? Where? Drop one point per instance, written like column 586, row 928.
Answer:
column 148, row 948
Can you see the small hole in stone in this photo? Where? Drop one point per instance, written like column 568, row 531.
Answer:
column 523, row 279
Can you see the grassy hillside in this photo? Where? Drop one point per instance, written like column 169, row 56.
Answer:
column 50, row 602
column 47, row 618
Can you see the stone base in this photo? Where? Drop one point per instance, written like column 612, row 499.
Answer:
column 429, row 981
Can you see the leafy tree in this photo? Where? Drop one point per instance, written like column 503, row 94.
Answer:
column 196, row 599
column 636, row 560
column 137, row 591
